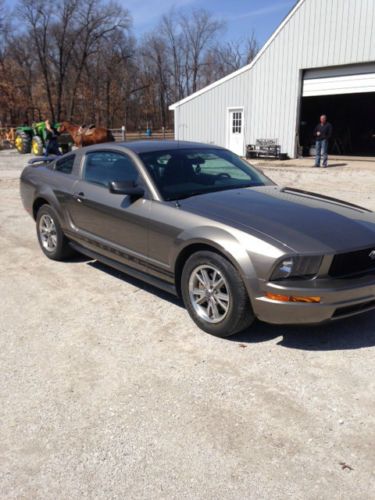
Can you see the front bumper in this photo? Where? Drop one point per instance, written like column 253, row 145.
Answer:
column 339, row 299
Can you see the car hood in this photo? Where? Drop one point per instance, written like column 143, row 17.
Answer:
column 305, row 222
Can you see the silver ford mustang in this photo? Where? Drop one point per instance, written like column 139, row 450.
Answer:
column 199, row 222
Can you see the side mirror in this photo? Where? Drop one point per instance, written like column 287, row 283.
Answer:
column 128, row 188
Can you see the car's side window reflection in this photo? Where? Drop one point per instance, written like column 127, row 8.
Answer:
column 65, row 165
column 102, row 167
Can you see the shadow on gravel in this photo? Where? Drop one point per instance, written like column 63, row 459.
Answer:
column 135, row 282
column 353, row 333
column 330, row 165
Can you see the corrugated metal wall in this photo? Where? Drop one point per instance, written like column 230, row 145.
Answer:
column 320, row 33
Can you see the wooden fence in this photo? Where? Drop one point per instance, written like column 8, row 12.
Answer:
column 120, row 135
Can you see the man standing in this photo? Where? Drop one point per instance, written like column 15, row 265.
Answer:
column 51, row 134
column 322, row 134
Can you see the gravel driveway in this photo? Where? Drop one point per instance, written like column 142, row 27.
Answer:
column 109, row 390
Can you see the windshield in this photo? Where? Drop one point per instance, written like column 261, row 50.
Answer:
column 181, row 173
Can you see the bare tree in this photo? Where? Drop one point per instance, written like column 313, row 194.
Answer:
column 77, row 59
column 4, row 25
column 155, row 66
column 98, row 22
column 169, row 28
column 67, row 34
column 228, row 57
column 200, row 31
column 37, row 16
column 251, row 48
column 2, row 18
column 118, row 73
column 2, row 51
column 224, row 59
column 63, row 36
column 24, row 69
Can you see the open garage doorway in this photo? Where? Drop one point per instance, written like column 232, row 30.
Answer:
column 353, row 120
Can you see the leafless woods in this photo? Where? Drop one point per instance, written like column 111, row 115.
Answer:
column 80, row 60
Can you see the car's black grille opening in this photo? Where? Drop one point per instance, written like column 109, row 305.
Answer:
column 353, row 264
column 364, row 306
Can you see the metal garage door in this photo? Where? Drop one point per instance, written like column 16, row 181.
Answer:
column 355, row 79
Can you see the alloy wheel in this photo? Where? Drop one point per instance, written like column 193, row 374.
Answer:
column 209, row 293
column 47, row 231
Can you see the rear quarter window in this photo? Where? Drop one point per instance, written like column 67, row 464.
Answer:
column 65, row 165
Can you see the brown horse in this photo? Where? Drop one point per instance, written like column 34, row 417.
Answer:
column 85, row 136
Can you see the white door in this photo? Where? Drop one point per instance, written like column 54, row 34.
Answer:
column 235, row 131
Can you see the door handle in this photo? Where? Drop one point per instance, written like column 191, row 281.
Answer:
column 78, row 196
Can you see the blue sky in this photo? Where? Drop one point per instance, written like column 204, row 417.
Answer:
column 241, row 16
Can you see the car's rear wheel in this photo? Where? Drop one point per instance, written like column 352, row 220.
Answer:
column 52, row 240
column 215, row 295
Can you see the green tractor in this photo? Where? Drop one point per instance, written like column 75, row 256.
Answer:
column 32, row 139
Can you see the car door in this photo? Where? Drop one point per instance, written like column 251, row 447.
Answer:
column 111, row 222
column 61, row 176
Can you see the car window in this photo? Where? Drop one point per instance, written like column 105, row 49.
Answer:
column 214, row 165
column 65, row 165
column 102, row 167
column 181, row 173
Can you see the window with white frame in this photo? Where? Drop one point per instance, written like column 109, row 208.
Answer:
column 237, row 122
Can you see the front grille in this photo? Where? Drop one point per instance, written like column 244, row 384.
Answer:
column 353, row 264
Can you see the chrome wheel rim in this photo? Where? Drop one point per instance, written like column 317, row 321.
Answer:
column 209, row 293
column 47, row 232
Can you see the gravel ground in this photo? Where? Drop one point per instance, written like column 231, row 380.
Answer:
column 108, row 390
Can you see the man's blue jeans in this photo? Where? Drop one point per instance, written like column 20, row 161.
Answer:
column 52, row 147
column 321, row 148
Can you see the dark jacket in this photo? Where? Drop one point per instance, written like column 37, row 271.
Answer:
column 52, row 135
column 325, row 131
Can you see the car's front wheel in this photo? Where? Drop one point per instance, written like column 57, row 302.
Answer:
column 52, row 240
column 215, row 295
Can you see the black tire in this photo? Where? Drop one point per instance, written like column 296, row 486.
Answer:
column 23, row 142
column 238, row 315
column 61, row 249
column 37, row 146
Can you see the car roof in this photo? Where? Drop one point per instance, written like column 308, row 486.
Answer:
column 145, row 146
column 148, row 146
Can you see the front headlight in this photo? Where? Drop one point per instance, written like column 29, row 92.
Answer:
column 296, row 267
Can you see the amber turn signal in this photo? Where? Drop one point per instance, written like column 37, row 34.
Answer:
column 287, row 298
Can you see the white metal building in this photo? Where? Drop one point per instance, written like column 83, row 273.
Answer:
column 320, row 60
